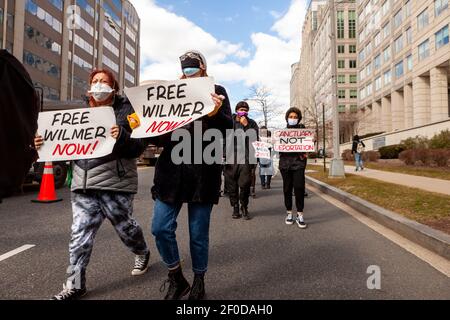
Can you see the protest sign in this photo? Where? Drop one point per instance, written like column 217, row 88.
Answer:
column 76, row 134
column 294, row 140
column 165, row 106
column 262, row 149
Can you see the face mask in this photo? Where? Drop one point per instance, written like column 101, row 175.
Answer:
column 188, row 72
column 292, row 122
column 100, row 91
column 242, row 113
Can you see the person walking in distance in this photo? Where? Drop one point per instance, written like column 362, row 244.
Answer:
column 292, row 167
column 238, row 176
column 265, row 165
column 357, row 150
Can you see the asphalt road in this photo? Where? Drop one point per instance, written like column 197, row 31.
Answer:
column 258, row 259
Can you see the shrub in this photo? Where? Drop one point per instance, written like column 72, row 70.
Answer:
column 371, row 156
column 418, row 142
column 391, row 152
column 428, row 157
column 347, row 155
column 441, row 140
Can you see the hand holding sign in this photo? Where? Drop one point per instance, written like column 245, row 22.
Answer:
column 76, row 134
column 165, row 106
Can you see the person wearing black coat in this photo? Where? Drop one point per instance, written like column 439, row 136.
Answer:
column 197, row 185
column 238, row 176
column 292, row 167
column 357, row 149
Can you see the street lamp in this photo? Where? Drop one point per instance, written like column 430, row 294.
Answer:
column 337, row 164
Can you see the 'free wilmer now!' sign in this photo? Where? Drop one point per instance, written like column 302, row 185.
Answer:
column 164, row 106
column 294, row 140
column 76, row 134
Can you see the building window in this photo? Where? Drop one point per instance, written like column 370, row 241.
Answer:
column 341, row 64
column 353, row 78
column 398, row 44
column 377, row 62
column 422, row 20
column 352, row 24
column 378, row 84
column 424, row 50
column 110, row 64
column 353, row 108
column 408, row 36
column 340, row 25
column 387, row 54
column 341, row 79
column 341, row 108
column 352, row 64
column 377, row 39
column 41, row 64
column 386, row 30
column 398, row 19
column 442, row 37
column 387, row 77
column 341, row 94
column 353, row 94
column 130, row 48
column 341, row 48
column 129, row 77
column 440, row 6
column 385, row 7
column 35, row 10
column 399, row 70
column 352, row 48
column 409, row 60
column 407, row 8
column 111, row 47
column 42, row 40
column 130, row 63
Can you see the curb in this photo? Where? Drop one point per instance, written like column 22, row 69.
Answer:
column 434, row 240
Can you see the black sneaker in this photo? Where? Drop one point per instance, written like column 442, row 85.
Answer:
column 141, row 264
column 236, row 213
column 178, row 285
column 245, row 214
column 301, row 222
column 198, row 288
column 70, row 294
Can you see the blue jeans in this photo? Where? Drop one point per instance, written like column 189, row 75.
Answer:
column 358, row 161
column 164, row 225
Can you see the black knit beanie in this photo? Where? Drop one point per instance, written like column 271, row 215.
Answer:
column 295, row 110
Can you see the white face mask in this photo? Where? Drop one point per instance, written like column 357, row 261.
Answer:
column 100, row 91
column 293, row 122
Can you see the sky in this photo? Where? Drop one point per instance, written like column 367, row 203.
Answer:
column 246, row 42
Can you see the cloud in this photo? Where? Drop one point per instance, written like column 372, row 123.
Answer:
column 165, row 36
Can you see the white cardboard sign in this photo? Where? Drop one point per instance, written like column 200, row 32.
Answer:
column 294, row 140
column 164, row 106
column 76, row 134
column 262, row 149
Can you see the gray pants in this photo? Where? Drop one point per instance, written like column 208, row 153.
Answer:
column 89, row 210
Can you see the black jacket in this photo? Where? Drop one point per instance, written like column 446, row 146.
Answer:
column 184, row 183
column 355, row 146
column 19, row 108
column 248, row 144
column 293, row 160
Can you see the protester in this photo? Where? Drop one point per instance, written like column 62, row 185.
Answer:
column 104, row 188
column 238, row 176
column 357, row 150
column 197, row 185
column 19, row 110
column 265, row 165
column 292, row 167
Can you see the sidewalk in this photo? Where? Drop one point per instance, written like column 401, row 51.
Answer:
column 424, row 183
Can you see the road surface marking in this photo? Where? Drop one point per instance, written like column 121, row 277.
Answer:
column 436, row 261
column 16, row 251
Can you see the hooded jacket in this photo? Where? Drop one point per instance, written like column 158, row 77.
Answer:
column 116, row 172
column 293, row 160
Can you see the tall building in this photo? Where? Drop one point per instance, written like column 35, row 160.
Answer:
column 312, row 77
column 404, row 59
column 40, row 33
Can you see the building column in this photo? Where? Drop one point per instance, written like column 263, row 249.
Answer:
column 422, row 99
column 408, row 102
column 439, row 94
column 65, row 48
column 386, row 113
column 397, row 110
column 376, row 111
column 369, row 119
column 19, row 29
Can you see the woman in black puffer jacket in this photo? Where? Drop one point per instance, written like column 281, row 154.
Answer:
column 292, row 167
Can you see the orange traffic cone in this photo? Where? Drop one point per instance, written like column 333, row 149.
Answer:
column 47, row 194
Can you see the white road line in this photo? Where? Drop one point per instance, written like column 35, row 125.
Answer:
column 16, row 251
column 436, row 261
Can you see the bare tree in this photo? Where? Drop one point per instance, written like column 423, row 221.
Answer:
column 265, row 103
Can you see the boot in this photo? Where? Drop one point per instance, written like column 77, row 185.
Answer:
column 198, row 288
column 236, row 213
column 245, row 213
column 178, row 285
